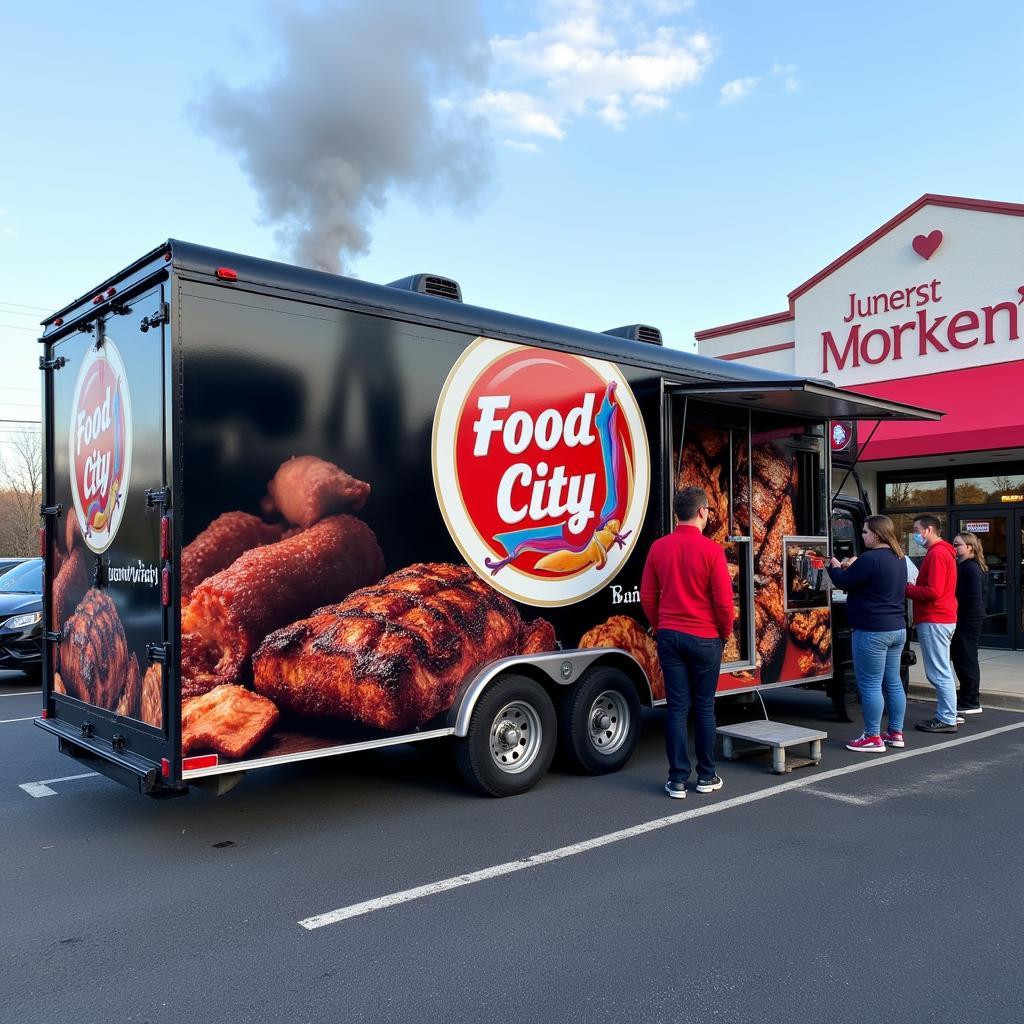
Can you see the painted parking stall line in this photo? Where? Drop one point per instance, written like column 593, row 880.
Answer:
column 8, row 721
column 510, row 867
column 39, row 789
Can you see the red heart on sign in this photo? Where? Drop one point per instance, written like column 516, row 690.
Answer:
column 925, row 245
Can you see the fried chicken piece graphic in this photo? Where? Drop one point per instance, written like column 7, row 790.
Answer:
column 392, row 655
column 70, row 585
column 305, row 489
column 216, row 547
column 228, row 720
column 231, row 612
column 628, row 635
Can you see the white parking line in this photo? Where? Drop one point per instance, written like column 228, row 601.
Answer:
column 38, row 789
column 7, row 721
column 497, row 870
column 23, row 693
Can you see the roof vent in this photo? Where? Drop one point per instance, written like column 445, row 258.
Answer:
column 430, row 284
column 638, row 332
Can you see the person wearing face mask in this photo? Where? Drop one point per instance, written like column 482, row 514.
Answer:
column 970, row 571
column 686, row 594
column 934, row 600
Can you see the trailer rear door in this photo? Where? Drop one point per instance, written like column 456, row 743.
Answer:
column 108, row 614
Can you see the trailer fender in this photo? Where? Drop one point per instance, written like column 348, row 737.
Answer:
column 551, row 669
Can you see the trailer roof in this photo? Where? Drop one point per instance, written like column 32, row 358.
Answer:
column 717, row 379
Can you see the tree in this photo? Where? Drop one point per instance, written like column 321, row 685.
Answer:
column 21, row 491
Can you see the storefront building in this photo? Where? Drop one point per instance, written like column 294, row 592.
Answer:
column 926, row 310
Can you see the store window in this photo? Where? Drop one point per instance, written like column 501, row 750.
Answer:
column 914, row 493
column 988, row 490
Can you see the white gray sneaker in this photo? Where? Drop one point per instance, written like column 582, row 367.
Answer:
column 676, row 790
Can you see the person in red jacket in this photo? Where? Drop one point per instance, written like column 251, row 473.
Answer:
column 686, row 594
column 934, row 597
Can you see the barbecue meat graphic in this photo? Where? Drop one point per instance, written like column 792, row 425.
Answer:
column 811, row 628
column 94, row 659
column 391, row 655
column 128, row 705
column 536, row 637
column 232, row 611
column 151, row 702
column 306, row 489
column 70, row 586
column 628, row 635
column 227, row 537
column 228, row 720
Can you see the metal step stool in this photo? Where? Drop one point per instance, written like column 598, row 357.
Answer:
column 775, row 736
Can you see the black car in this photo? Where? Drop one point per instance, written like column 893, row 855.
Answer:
column 21, row 618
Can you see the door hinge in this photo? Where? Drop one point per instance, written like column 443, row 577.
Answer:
column 120, row 308
column 51, row 364
column 158, row 496
column 159, row 653
column 86, row 327
column 161, row 316
column 52, row 510
column 52, row 636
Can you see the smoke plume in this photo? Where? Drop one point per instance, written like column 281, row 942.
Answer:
column 365, row 103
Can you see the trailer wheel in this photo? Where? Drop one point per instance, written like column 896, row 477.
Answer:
column 511, row 738
column 599, row 722
column 842, row 689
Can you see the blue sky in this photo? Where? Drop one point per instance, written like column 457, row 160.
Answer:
column 592, row 163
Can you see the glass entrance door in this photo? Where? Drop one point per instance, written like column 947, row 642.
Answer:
column 1002, row 539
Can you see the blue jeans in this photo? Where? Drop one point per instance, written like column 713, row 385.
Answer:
column 876, row 661
column 935, row 638
column 691, row 665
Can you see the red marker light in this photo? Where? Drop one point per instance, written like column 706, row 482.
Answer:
column 165, row 588
column 165, row 767
column 190, row 764
column 227, row 274
column 58, row 322
column 43, row 713
column 111, row 292
column 97, row 299
column 167, row 257
column 165, row 537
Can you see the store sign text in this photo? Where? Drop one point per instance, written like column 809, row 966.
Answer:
column 926, row 334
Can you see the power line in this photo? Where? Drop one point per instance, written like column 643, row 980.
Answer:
column 15, row 327
column 21, row 305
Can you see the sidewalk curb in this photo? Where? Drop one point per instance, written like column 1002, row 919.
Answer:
column 989, row 699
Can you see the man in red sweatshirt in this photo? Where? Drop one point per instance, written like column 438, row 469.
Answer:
column 687, row 596
column 934, row 597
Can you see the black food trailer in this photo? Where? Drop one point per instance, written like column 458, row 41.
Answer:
column 289, row 515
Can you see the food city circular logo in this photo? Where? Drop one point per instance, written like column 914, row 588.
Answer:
column 100, row 444
column 541, row 469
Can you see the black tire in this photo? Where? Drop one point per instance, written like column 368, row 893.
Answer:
column 511, row 738
column 599, row 722
column 843, row 692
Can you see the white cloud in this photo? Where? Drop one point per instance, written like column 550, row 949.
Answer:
column 520, row 112
column 737, row 89
column 788, row 74
column 523, row 147
column 610, row 59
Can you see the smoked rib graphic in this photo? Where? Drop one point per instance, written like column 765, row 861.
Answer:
column 231, row 612
column 391, row 655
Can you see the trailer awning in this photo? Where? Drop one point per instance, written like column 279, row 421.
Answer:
column 801, row 397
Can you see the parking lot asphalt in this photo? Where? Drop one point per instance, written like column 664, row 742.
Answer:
column 867, row 886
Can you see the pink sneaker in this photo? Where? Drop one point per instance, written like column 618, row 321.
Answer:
column 865, row 744
column 893, row 739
